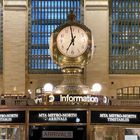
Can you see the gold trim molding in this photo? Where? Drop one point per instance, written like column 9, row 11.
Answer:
column 15, row 5
column 91, row 5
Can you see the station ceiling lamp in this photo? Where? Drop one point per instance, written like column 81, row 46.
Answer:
column 96, row 88
column 48, row 87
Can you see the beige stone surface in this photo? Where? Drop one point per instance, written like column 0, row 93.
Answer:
column 14, row 35
column 97, row 21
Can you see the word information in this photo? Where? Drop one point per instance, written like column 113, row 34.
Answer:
column 91, row 99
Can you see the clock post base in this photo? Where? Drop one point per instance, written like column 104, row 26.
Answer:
column 72, row 83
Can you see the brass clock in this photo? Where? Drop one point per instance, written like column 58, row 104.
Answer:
column 71, row 44
column 71, row 48
column 72, row 41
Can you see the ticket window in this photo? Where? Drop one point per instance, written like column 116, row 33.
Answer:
column 115, row 132
column 132, row 133
column 131, row 137
column 60, row 124
column 8, row 132
column 100, row 132
column 12, row 125
column 57, row 132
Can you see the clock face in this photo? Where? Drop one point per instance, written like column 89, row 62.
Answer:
column 72, row 41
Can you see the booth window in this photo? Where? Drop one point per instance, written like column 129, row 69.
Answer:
column 44, row 17
column 124, row 37
column 1, row 36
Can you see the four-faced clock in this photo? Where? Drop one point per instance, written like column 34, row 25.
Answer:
column 71, row 44
column 72, row 41
column 71, row 48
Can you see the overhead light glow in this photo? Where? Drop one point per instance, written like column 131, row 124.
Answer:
column 48, row 87
column 96, row 88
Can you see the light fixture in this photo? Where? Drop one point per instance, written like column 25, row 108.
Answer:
column 29, row 91
column 96, row 88
column 48, row 87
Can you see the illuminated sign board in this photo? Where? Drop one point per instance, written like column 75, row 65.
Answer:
column 93, row 99
column 115, row 117
column 57, row 116
column 12, row 117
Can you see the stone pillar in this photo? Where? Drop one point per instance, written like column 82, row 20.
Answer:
column 96, row 17
column 14, row 45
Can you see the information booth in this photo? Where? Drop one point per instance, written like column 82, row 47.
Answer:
column 70, row 122
column 53, row 124
column 12, row 124
column 115, row 124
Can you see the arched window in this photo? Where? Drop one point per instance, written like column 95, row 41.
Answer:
column 124, row 36
column 44, row 17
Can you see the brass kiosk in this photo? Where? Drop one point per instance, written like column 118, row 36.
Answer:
column 70, row 122
column 12, row 124
column 84, row 122
column 71, row 111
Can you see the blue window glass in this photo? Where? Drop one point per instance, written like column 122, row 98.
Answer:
column 124, row 36
column 44, row 17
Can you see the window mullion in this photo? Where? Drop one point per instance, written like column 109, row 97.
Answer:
column 45, row 17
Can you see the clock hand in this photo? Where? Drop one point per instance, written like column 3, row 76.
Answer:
column 72, row 38
column 69, row 45
column 72, row 42
column 71, row 32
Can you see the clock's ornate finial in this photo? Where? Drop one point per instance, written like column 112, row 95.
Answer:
column 71, row 16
